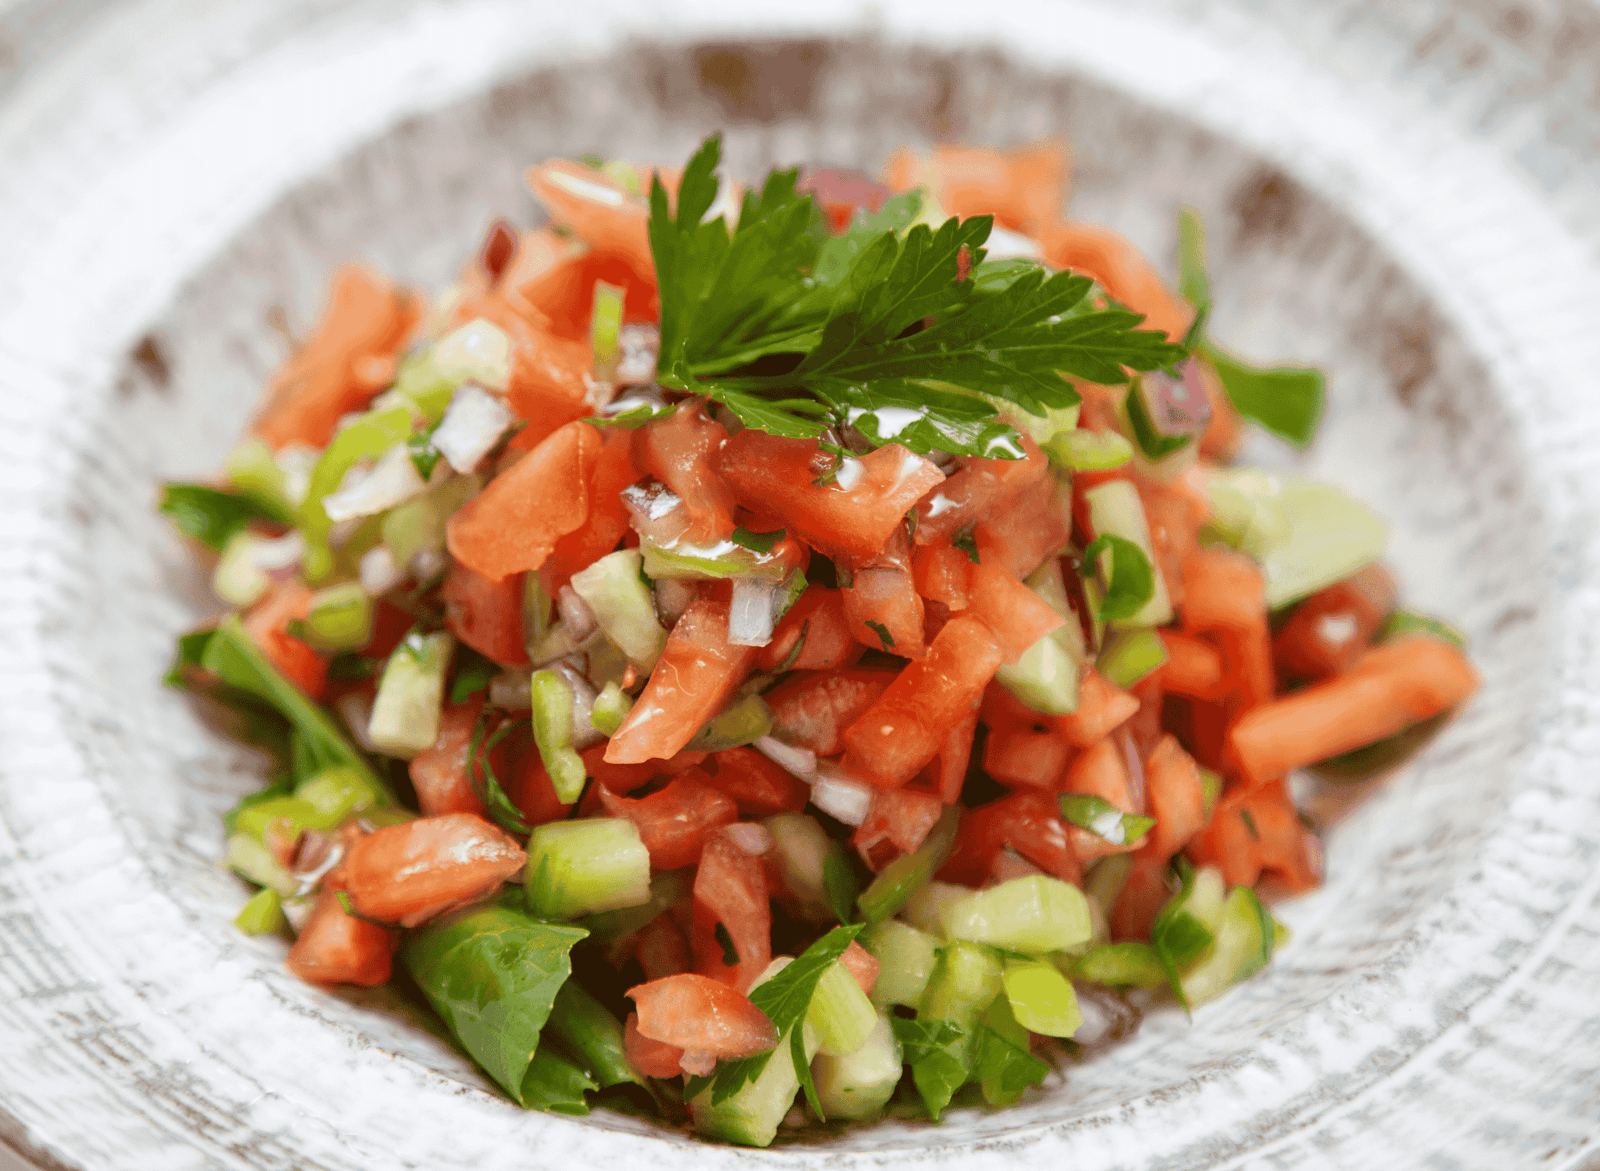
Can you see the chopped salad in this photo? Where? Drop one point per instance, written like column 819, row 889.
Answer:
column 761, row 655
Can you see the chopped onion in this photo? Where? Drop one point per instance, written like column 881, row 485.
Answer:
column 754, row 611
column 378, row 571
column 298, row 461
column 355, row 708
column 471, row 426
column 428, row 564
column 674, row 596
column 278, row 552
column 658, row 514
column 1134, row 763
column 800, row 762
column 509, row 690
column 750, row 836
column 841, row 796
column 698, row 1063
column 393, row 480
column 637, row 347
column 576, row 615
column 478, row 352
column 584, row 733
column 298, row 912
column 1178, row 407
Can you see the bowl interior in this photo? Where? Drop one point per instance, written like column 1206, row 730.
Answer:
column 1414, row 426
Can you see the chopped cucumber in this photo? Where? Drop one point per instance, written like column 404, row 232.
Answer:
column 335, row 793
column 924, row 910
column 405, row 714
column 478, row 351
column 554, row 705
column 667, row 889
column 610, row 708
column 1107, row 877
column 592, row 864
column 744, row 722
column 623, row 606
column 593, row 1034
column 906, row 958
column 340, row 618
column 1046, row 676
column 238, row 580
column 802, row 853
column 1041, row 998
column 1130, row 655
column 860, row 1085
column 291, row 814
column 263, row 914
column 251, row 468
column 965, row 981
column 417, row 526
column 254, row 861
column 1115, row 508
column 907, row 874
column 840, row 1012
column 1083, row 450
column 1032, row 915
column 1119, row 965
column 1243, row 946
column 605, row 323
column 724, row 559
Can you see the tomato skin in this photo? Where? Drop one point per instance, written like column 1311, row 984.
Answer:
column 613, row 471
column 564, row 292
column 680, row 450
column 774, row 476
column 701, row 1015
column 896, row 824
column 941, row 572
column 1018, row 616
column 981, row 488
column 651, row 1058
column 862, row 965
column 408, row 873
column 267, row 624
column 730, row 889
column 818, row 618
column 617, row 225
column 759, row 787
column 1271, row 843
column 336, row 948
column 619, row 778
column 900, row 733
column 439, row 773
column 1143, row 894
column 530, row 788
column 1327, row 632
column 813, row 709
column 881, row 602
column 1023, row 756
column 673, row 822
column 1177, row 797
column 485, row 614
column 1102, row 708
column 1029, row 822
column 1024, row 535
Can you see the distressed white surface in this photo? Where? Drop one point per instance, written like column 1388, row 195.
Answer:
column 1407, row 192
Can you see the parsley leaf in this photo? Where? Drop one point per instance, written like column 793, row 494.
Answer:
column 883, row 634
column 210, row 514
column 473, row 672
column 1006, row 1069
column 1194, row 283
column 424, row 455
column 1178, row 938
column 784, row 999
column 758, row 542
column 1100, row 817
column 840, row 885
column 730, row 953
column 1132, row 581
column 936, row 1052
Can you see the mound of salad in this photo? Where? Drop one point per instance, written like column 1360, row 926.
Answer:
column 761, row 656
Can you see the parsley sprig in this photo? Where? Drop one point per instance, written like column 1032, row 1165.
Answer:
column 883, row 329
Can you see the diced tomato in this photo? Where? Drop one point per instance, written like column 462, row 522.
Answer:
column 410, row 872
column 813, row 636
column 651, row 1058
column 564, row 292
column 336, row 948
column 530, row 788
column 1100, row 771
column 730, row 891
column 842, row 192
column 1174, row 525
column 946, row 773
column 1028, row 821
column 268, row 625
column 881, row 602
column 697, row 672
column 619, row 778
column 1121, row 269
column 673, row 822
column 366, row 318
column 1024, row 189
column 1327, row 632
column 1226, row 593
column 662, row 950
column 1023, row 756
column 774, row 476
column 439, row 773
column 861, row 964
column 1018, row 616
column 812, row 709
column 1193, row 667
column 905, row 728
column 702, row 1016
column 1177, row 797
column 1009, row 864
column 1148, row 887
column 941, row 573
column 515, row 522
column 758, row 786
column 896, row 824
column 1102, row 707
column 1391, row 687
column 485, row 614
column 1144, row 726
column 546, row 382
column 981, row 489
column 1001, row 709
column 1025, row 535
column 1224, row 435
column 681, row 450
column 613, row 471
column 604, row 214
column 1254, row 834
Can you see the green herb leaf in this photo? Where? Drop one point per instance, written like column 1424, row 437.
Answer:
column 473, row 673
column 784, row 999
column 730, row 953
column 1194, row 283
column 481, row 776
column 210, row 514
column 1250, row 824
column 1152, row 445
column 1286, row 400
column 282, row 786
column 840, row 885
column 1178, row 938
column 1403, row 622
column 493, row 974
column 967, row 543
column 554, row 1083
column 883, row 634
column 1010, row 1068
column 802, row 1069
column 936, row 1052
column 1100, row 817
column 424, row 455
column 839, row 252
column 1132, row 580
column 758, row 542
column 592, row 1034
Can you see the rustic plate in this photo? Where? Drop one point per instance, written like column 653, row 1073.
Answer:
column 1408, row 193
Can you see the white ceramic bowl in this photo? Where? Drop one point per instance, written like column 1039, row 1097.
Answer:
column 1408, row 193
